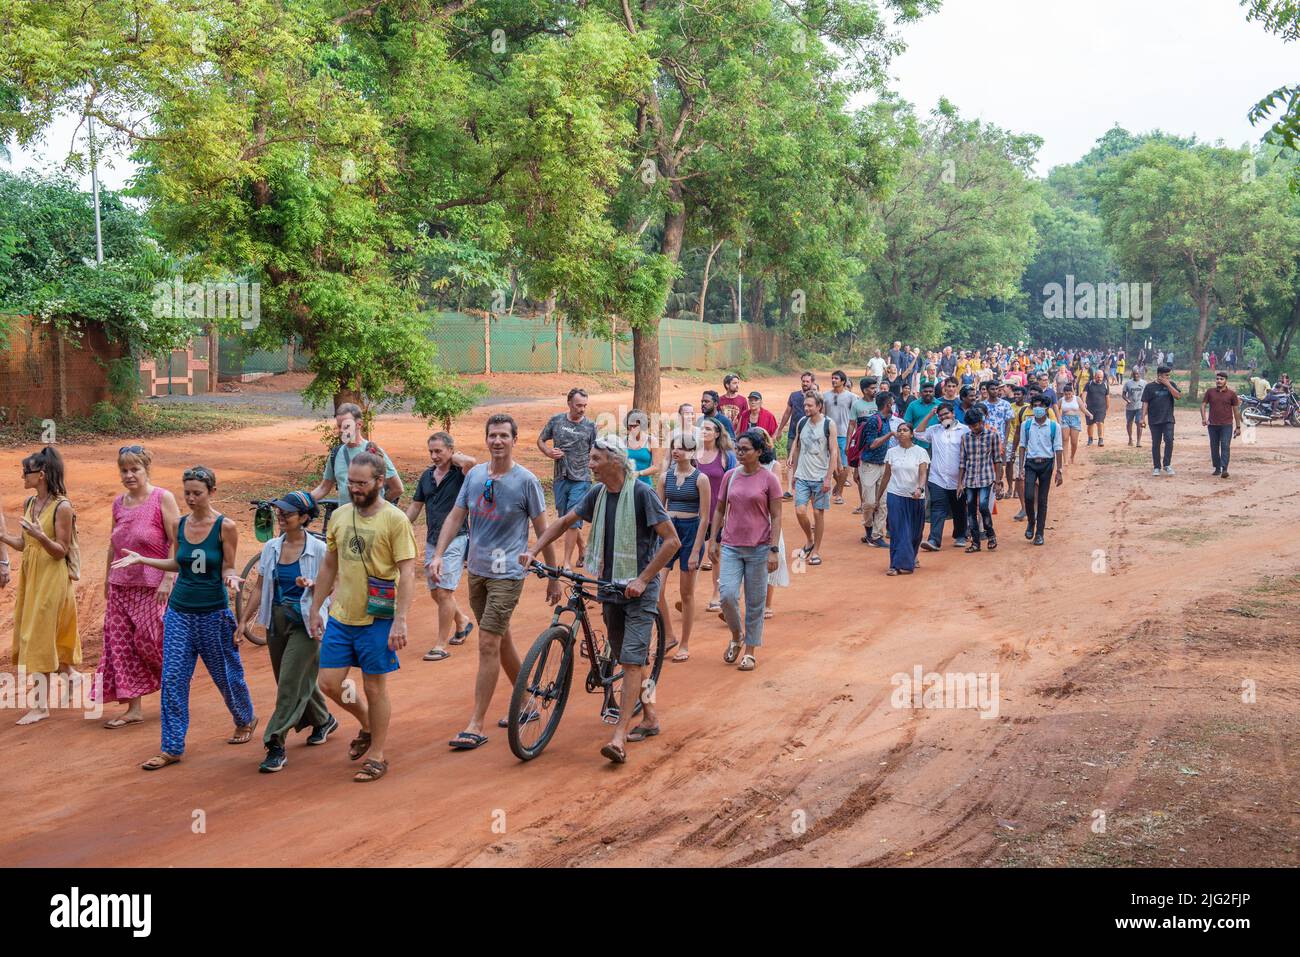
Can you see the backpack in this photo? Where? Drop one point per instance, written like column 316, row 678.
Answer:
column 853, row 452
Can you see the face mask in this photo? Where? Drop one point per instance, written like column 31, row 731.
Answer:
column 1040, row 413
column 948, row 423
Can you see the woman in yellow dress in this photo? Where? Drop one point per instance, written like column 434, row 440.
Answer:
column 45, row 611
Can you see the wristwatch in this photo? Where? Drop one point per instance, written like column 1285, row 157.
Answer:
column 774, row 549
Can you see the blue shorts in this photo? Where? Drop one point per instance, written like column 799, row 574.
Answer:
column 805, row 489
column 843, row 441
column 688, row 530
column 569, row 494
column 1074, row 422
column 358, row 646
column 453, row 563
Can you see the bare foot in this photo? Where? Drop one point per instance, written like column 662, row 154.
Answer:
column 31, row 717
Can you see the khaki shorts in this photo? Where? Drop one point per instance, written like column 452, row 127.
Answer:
column 493, row 601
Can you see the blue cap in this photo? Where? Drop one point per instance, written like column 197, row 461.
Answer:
column 297, row 502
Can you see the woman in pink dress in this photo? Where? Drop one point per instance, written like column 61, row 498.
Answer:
column 144, row 521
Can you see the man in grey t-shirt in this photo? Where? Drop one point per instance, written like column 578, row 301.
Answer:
column 838, row 404
column 1132, row 392
column 500, row 499
column 571, row 435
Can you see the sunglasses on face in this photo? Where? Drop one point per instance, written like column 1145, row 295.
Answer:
column 32, row 471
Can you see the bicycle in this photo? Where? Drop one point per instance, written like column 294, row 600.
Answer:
column 546, row 674
column 263, row 526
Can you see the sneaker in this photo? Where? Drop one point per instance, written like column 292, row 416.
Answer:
column 321, row 734
column 1224, row 475
column 929, row 546
column 1218, row 471
column 1029, row 534
column 1038, row 539
column 1156, row 473
column 275, row 760
column 878, row 543
column 1169, row 470
column 960, row 542
column 1090, row 441
column 1101, row 442
column 1019, row 516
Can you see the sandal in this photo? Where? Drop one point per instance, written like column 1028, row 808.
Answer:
column 436, row 654
column 892, row 571
column 706, row 566
column 160, row 760
column 641, row 732
column 733, row 650
column 121, row 722
column 459, row 637
column 371, row 770
column 682, row 656
column 815, row 560
column 714, row 606
column 243, row 734
column 359, row 745
column 972, row 548
column 748, row 663
column 993, row 543
column 768, row 613
column 614, row 753
column 467, row 741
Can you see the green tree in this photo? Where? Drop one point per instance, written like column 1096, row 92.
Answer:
column 957, row 225
column 1194, row 224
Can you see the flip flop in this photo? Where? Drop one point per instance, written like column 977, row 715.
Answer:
column 371, row 770
column 467, row 741
column 243, row 734
column 614, row 753
column 682, row 656
column 713, row 606
column 436, row 654
column 815, row 560
column 641, row 732
column 532, row 716
column 160, row 761
column 768, row 613
column 113, row 723
column 459, row 637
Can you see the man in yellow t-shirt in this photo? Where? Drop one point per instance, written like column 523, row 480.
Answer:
column 369, row 568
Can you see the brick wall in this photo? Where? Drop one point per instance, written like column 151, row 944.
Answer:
column 44, row 378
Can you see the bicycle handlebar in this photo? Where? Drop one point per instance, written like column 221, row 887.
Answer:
column 542, row 570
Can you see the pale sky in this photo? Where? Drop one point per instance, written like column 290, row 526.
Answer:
column 1066, row 70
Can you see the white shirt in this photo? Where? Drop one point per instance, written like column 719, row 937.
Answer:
column 877, row 366
column 905, row 469
column 945, row 453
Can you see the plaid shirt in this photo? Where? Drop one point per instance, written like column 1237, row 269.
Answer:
column 979, row 456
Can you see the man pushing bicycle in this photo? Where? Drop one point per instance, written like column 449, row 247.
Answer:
column 632, row 539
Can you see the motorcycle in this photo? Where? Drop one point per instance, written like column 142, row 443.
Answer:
column 1284, row 407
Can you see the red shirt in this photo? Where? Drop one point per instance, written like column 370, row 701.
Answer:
column 764, row 420
column 733, row 407
column 1221, row 403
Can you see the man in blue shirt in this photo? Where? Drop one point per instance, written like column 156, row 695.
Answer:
column 1040, row 453
column 874, row 443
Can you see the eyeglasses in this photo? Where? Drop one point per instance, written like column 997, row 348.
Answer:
column 130, row 449
column 197, row 475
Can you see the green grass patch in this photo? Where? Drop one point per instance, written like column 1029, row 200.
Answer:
column 140, row 421
column 1184, row 536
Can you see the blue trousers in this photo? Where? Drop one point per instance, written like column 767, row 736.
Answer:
column 906, row 518
column 186, row 638
column 747, row 565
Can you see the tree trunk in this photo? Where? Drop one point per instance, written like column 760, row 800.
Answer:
column 704, row 286
column 755, row 304
column 343, row 396
column 645, row 342
column 1203, row 331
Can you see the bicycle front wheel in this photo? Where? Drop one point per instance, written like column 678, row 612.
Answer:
column 252, row 583
column 541, row 691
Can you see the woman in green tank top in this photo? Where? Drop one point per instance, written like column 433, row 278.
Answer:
column 198, row 622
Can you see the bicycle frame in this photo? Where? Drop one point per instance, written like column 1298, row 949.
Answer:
column 577, row 607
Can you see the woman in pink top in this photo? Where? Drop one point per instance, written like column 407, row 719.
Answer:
column 144, row 521
column 747, row 529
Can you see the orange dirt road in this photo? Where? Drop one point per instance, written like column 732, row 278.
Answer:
column 1124, row 650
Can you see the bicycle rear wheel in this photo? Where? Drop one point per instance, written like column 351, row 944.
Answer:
column 542, row 687
column 252, row 583
column 650, row 673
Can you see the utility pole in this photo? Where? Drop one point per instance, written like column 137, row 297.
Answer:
column 94, row 186
column 740, row 286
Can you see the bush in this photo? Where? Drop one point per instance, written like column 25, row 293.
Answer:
column 105, row 417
